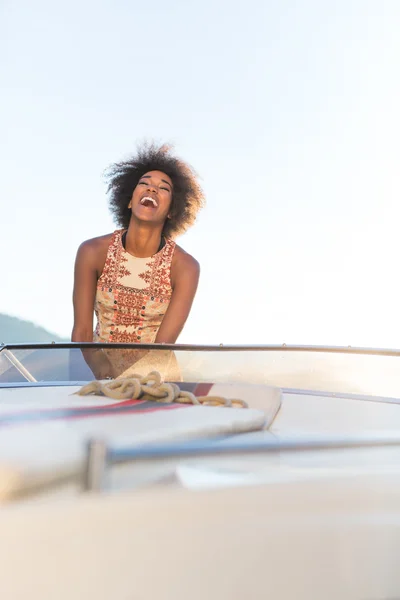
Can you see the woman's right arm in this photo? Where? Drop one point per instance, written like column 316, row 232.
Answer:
column 85, row 282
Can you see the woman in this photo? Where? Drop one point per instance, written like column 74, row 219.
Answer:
column 137, row 280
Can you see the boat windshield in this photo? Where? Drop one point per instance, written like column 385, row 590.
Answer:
column 335, row 370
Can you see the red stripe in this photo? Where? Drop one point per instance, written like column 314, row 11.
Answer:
column 99, row 407
column 122, row 403
column 202, row 389
column 107, row 413
column 51, row 415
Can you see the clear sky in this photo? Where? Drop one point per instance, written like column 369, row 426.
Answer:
column 289, row 111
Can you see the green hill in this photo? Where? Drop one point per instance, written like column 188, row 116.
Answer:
column 14, row 330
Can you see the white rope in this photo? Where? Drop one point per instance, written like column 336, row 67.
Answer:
column 152, row 387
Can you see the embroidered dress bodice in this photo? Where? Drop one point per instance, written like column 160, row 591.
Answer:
column 132, row 294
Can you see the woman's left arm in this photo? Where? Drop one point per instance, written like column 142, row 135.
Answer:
column 185, row 273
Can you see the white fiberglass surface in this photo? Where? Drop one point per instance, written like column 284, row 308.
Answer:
column 299, row 413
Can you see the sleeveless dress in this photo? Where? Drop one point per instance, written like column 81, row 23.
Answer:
column 132, row 297
column 132, row 294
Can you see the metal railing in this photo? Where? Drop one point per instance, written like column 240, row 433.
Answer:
column 208, row 348
column 100, row 457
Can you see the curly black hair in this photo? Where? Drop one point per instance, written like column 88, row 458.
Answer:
column 187, row 195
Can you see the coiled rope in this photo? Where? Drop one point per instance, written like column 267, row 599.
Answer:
column 152, row 387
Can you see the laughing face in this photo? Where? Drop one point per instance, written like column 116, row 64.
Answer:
column 152, row 197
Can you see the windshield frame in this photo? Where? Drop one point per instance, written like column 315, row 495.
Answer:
column 209, row 347
column 388, row 395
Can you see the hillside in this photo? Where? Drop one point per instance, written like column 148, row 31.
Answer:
column 14, row 330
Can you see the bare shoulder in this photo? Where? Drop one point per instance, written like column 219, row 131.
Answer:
column 93, row 252
column 97, row 243
column 184, row 260
column 185, row 269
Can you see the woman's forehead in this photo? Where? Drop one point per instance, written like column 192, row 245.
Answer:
column 157, row 176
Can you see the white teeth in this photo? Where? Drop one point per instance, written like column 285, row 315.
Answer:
column 143, row 200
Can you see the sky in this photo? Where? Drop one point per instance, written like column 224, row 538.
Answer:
column 289, row 112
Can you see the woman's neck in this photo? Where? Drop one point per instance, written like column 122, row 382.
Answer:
column 141, row 241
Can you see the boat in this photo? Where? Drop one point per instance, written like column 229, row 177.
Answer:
column 273, row 471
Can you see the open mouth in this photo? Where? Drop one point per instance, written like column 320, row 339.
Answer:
column 148, row 201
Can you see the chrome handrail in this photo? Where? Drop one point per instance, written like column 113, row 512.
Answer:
column 100, row 456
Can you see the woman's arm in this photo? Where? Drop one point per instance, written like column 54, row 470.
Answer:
column 185, row 273
column 85, row 281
